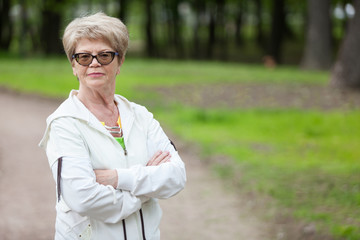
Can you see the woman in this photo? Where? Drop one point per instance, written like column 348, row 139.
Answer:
column 110, row 158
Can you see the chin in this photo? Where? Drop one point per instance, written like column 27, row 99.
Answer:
column 96, row 83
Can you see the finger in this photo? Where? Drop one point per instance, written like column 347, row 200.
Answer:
column 154, row 157
column 165, row 160
column 163, row 156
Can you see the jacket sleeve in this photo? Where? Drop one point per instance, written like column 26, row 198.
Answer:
column 79, row 188
column 161, row 181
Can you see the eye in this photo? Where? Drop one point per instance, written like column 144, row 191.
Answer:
column 84, row 56
column 105, row 55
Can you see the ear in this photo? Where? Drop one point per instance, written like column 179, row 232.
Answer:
column 73, row 68
column 121, row 63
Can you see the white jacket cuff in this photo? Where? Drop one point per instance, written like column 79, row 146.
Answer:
column 126, row 179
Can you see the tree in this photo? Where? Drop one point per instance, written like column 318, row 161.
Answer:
column 216, row 27
column 51, row 23
column 174, row 27
column 346, row 71
column 221, row 23
column 211, row 30
column 277, row 30
column 199, row 7
column 259, row 23
column 318, row 47
column 240, row 9
column 5, row 25
column 122, row 13
column 150, row 44
column 24, row 26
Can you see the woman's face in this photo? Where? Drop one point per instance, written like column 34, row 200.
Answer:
column 95, row 76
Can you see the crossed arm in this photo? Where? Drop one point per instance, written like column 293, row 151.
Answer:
column 110, row 177
column 112, row 195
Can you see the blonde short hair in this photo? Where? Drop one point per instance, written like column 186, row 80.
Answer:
column 96, row 26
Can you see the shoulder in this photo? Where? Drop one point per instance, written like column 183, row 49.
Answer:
column 67, row 109
column 65, row 123
column 63, row 118
column 71, row 108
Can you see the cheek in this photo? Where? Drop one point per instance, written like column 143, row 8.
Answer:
column 78, row 71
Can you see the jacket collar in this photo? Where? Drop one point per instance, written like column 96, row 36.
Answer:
column 73, row 107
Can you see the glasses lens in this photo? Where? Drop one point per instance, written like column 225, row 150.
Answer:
column 84, row 58
column 105, row 57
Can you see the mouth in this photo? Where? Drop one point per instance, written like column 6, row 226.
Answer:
column 96, row 74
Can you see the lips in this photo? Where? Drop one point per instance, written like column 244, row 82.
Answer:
column 96, row 74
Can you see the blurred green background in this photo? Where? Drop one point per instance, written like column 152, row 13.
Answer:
column 267, row 89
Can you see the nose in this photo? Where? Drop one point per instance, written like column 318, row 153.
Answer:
column 96, row 63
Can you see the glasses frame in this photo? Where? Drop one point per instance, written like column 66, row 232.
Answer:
column 76, row 57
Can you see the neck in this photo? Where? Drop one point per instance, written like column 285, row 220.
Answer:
column 101, row 104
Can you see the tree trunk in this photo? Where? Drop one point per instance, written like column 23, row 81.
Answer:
column 179, row 41
column 259, row 24
column 150, row 46
column 122, row 13
column 239, row 22
column 175, row 24
column 346, row 19
column 277, row 30
column 199, row 8
column 51, row 23
column 5, row 25
column 24, row 27
column 318, row 46
column 220, row 29
column 346, row 71
column 211, row 31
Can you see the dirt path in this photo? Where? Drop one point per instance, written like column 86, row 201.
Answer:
column 204, row 210
column 27, row 193
column 263, row 95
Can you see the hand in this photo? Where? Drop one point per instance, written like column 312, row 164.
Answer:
column 159, row 157
column 107, row 177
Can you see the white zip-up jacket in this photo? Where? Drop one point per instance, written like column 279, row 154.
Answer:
column 88, row 210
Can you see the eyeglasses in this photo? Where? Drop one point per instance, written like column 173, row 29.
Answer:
column 104, row 58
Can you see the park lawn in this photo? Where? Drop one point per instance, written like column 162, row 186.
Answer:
column 307, row 160
column 53, row 77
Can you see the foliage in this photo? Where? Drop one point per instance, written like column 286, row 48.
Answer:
column 180, row 29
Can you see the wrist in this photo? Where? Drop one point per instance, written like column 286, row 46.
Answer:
column 115, row 179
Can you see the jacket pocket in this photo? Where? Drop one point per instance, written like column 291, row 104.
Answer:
column 73, row 226
column 84, row 231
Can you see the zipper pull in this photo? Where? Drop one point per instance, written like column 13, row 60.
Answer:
column 121, row 141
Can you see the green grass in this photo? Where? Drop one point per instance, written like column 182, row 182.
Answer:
column 53, row 77
column 306, row 160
